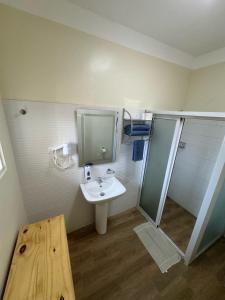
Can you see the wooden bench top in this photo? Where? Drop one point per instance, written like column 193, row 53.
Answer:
column 40, row 268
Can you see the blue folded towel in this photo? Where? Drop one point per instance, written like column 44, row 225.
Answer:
column 138, row 150
column 137, row 129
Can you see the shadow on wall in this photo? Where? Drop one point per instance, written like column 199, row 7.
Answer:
column 81, row 212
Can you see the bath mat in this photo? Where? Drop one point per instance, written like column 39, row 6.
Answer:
column 158, row 246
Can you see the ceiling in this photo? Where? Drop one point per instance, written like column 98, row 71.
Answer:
column 193, row 26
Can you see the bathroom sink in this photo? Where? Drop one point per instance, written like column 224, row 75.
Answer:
column 101, row 190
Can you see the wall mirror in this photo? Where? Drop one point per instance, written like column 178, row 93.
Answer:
column 96, row 136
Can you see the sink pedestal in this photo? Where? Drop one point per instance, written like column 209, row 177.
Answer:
column 100, row 193
column 101, row 215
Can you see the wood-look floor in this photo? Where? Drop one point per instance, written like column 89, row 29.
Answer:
column 177, row 223
column 116, row 266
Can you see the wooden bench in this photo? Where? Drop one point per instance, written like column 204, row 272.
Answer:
column 40, row 268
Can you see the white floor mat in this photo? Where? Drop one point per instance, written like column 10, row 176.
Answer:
column 159, row 247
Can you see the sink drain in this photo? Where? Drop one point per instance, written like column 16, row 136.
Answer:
column 102, row 194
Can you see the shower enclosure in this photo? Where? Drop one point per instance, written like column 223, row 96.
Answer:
column 166, row 174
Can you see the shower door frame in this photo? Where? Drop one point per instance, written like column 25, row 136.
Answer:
column 206, row 209
column 209, row 198
column 169, row 168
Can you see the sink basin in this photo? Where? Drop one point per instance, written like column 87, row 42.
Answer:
column 96, row 192
column 101, row 192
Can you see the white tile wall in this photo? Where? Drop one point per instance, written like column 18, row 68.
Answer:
column 194, row 164
column 47, row 190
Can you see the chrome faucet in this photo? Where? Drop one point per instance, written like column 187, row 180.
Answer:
column 99, row 180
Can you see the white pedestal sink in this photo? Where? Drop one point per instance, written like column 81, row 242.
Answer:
column 100, row 192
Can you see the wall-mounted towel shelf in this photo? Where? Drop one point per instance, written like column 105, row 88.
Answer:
column 136, row 124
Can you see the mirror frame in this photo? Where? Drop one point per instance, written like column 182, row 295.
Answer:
column 79, row 115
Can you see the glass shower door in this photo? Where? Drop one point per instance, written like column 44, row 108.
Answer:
column 156, row 164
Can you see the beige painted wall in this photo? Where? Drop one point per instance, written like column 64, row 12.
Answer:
column 207, row 89
column 43, row 60
column 12, row 213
